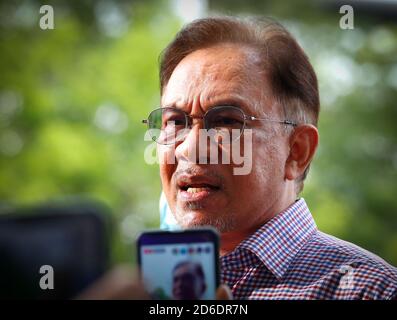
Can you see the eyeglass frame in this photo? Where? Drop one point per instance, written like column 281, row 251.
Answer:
column 246, row 118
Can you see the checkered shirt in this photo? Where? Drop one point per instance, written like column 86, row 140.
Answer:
column 289, row 258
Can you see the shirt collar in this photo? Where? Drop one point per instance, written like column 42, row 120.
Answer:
column 278, row 241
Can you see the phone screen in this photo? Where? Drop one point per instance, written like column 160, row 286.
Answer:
column 180, row 265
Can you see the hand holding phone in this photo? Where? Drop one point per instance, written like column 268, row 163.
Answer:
column 180, row 265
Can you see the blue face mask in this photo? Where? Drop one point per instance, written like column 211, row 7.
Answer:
column 167, row 220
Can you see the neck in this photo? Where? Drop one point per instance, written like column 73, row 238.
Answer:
column 230, row 240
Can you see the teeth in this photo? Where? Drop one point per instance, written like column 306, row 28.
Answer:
column 196, row 190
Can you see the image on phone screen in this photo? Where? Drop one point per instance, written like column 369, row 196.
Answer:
column 179, row 270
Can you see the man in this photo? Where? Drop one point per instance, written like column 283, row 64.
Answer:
column 270, row 245
column 227, row 75
column 188, row 281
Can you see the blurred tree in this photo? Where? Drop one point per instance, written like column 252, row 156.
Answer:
column 71, row 101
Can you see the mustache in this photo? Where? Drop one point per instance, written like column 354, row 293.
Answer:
column 199, row 171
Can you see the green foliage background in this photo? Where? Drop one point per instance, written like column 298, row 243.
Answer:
column 72, row 100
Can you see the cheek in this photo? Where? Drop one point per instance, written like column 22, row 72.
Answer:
column 167, row 166
column 165, row 175
column 268, row 162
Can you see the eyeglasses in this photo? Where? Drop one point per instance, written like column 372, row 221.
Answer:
column 169, row 125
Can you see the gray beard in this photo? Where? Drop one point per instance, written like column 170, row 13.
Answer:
column 222, row 224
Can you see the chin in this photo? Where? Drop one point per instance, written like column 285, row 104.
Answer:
column 194, row 219
column 190, row 219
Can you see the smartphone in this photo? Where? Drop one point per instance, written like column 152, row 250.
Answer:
column 72, row 240
column 180, row 265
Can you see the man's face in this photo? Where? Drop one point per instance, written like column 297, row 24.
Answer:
column 187, row 284
column 212, row 194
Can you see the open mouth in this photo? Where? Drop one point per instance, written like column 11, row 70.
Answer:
column 196, row 188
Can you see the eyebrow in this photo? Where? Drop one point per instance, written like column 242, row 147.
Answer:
column 229, row 102
column 232, row 100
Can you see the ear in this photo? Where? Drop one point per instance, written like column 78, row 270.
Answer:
column 303, row 144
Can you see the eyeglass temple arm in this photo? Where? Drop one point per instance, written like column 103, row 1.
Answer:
column 287, row 122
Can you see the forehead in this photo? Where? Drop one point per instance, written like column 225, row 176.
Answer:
column 183, row 269
column 217, row 74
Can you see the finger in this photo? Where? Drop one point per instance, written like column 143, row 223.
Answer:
column 122, row 282
column 224, row 293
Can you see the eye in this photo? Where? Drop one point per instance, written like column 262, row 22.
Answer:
column 226, row 117
column 173, row 118
column 227, row 121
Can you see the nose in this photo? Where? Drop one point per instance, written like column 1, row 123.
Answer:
column 193, row 148
column 188, row 148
